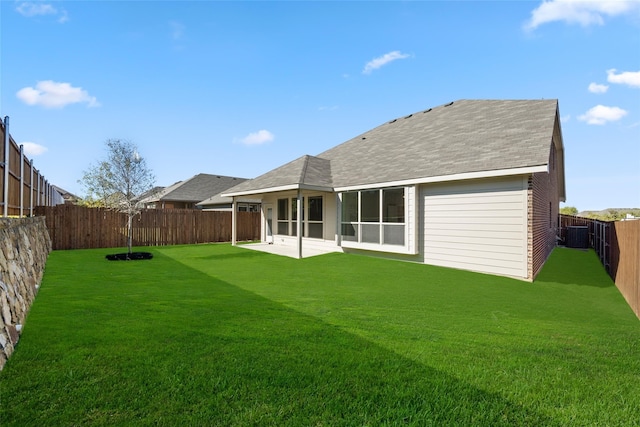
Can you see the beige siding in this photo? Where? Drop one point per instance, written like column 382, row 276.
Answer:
column 477, row 225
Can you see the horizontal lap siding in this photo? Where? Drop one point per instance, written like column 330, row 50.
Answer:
column 479, row 226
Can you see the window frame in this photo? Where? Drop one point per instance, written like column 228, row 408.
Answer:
column 291, row 216
column 401, row 219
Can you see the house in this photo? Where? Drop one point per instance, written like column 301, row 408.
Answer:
column 473, row 184
column 67, row 197
column 220, row 203
column 188, row 193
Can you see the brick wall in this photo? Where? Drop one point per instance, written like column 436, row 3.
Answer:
column 543, row 206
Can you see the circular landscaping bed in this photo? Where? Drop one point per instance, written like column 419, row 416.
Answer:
column 133, row 256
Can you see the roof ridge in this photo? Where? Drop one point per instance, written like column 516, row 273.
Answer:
column 303, row 172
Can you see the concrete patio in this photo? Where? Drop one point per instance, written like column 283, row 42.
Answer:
column 288, row 251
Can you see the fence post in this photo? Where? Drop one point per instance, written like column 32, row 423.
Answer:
column 38, row 193
column 31, row 188
column 5, row 163
column 21, row 180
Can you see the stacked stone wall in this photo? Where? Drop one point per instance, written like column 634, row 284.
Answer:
column 24, row 248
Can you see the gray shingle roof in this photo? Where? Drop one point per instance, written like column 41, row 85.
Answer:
column 198, row 188
column 460, row 137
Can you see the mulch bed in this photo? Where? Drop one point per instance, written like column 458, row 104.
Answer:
column 133, row 256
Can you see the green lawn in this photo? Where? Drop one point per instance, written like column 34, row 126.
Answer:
column 219, row 335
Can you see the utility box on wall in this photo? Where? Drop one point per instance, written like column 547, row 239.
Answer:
column 578, row 237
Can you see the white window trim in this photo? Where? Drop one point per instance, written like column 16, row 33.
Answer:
column 292, row 219
column 409, row 247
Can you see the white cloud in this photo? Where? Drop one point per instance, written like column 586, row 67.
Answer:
column 32, row 149
column 600, row 114
column 565, row 119
column 50, row 94
column 177, row 30
column 31, row 9
column 378, row 62
column 596, row 88
column 583, row 12
column 257, row 138
column 631, row 78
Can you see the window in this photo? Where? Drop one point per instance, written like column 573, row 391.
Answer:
column 283, row 216
column 313, row 226
column 374, row 216
column 248, row 207
column 370, row 206
column 294, row 216
column 349, row 227
column 393, row 216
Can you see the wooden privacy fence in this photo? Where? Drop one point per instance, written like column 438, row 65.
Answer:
column 599, row 235
column 77, row 227
column 22, row 187
column 618, row 247
column 625, row 261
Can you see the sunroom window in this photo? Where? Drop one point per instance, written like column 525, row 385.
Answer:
column 283, row 216
column 312, row 226
column 374, row 217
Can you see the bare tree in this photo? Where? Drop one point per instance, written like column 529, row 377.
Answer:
column 119, row 180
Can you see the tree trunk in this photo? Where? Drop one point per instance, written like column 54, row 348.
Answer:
column 129, row 232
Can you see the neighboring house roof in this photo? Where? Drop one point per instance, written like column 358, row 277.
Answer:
column 461, row 137
column 219, row 199
column 196, row 188
column 215, row 200
column 65, row 194
column 149, row 194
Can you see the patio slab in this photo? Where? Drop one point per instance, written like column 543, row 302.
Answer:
column 288, row 251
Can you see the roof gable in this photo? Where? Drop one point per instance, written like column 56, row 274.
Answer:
column 303, row 172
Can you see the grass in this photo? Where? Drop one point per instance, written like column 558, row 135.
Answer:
column 220, row 335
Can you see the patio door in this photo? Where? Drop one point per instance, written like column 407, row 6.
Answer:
column 268, row 223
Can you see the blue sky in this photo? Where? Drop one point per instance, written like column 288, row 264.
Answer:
column 239, row 88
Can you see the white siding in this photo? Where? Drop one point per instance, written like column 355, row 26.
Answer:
column 477, row 225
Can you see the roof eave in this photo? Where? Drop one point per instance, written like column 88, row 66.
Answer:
column 280, row 189
column 453, row 177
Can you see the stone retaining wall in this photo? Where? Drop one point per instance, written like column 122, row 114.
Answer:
column 24, row 248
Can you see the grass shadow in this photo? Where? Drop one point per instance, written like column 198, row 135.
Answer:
column 169, row 345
